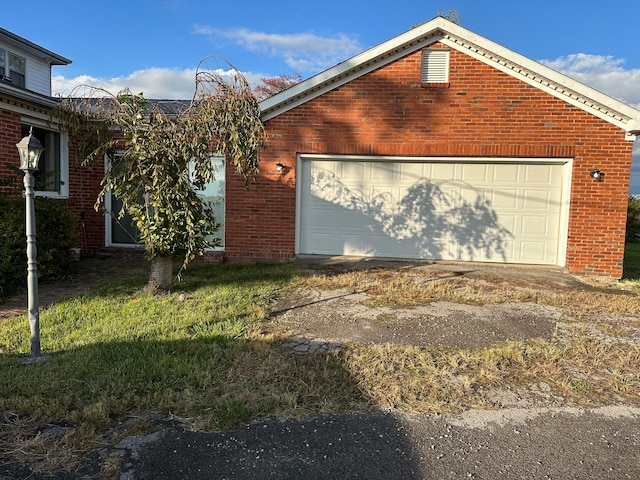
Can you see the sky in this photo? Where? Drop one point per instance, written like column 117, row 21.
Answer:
column 155, row 46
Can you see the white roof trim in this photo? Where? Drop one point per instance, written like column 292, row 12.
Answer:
column 36, row 50
column 27, row 95
column 439, row 29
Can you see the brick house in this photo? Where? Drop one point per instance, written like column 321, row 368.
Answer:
column 441, row 144
column 26, row 102
column 437, row 144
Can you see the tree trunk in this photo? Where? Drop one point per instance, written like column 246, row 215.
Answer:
column 161, row 276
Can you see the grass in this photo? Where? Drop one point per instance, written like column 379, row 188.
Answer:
column 213, row 361
column 631, row 264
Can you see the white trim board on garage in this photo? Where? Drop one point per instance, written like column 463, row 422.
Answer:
column 504, row 210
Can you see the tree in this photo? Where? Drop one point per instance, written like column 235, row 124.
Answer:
column 272, row 85
column 162, row 153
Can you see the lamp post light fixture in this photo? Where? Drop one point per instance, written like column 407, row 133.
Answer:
column 30, row 150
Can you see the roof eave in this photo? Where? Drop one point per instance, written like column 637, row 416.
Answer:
column 551, row 81
column 483, row 49
column 345, row 69
column 27, row 95
column 30, row 47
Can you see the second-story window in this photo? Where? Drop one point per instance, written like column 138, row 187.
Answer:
column 12, row 68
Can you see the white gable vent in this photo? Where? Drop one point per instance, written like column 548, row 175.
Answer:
column 435, row 65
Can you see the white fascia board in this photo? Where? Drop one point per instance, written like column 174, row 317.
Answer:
column 321, row 86
column 548, row 80
column 352, row 68
column 439, row 29
column 26, row 95
column 24, row 45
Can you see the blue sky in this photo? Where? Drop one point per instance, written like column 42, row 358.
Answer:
column 154, row 46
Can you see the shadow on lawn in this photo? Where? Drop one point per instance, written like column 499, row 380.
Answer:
column 212, row 383
column 631, row 266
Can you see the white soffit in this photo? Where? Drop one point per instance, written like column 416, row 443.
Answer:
column 439, row 29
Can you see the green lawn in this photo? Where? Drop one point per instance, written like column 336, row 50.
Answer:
column 214, row 361
column 632, row 262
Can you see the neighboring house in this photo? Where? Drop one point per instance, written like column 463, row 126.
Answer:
column 437, row 144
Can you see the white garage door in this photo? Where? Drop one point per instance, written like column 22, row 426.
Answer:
column 469, row 210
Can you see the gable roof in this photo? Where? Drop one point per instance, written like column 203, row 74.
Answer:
column 36, row 50
column 456, row 37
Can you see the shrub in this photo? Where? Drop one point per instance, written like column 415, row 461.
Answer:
column 633, row 220
column 55, row 236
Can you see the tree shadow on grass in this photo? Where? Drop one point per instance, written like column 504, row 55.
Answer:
column 211, row 382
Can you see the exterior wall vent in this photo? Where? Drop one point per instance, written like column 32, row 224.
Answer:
column 435, row 65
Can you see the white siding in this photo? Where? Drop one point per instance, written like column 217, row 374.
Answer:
column 38, row 78
column 37, row 74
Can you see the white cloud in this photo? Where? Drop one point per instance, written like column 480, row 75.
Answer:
column 608, row 75
column 604, row 73
column 303, row 52
column 155, row 83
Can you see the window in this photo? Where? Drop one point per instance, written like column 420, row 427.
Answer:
column 123, row 231
column 51, row 177
column 12, row 68
column 435, row 65
column 214, row 194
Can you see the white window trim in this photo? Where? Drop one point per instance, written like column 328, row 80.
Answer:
column 64, row 159
column 224, row 212
column 7, row 66
column 108, row 228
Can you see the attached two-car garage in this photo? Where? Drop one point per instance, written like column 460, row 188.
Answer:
column 467, row 209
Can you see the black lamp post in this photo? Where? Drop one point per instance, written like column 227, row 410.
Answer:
column 30, row 150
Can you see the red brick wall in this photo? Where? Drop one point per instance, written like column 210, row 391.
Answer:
column 84, row 182
column 10, row 134
column 84, row 186
column 481, row 112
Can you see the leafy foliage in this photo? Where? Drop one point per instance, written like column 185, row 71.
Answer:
column 162, row 152
column 269, row 86
column 633, row 220
column 56, row 234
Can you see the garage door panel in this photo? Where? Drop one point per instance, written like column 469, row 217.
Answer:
column 412, row 172
column 457, row 211
column 504, row 199
column 535, row 226
column 442, row 172
column 539, row 200
column 508, row 174
column 474, row 173
column 543, row 175
column 533, row 252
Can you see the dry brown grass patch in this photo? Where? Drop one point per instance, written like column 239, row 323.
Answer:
column 406, row 288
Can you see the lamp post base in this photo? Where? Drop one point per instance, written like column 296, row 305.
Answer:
column 34, row 359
